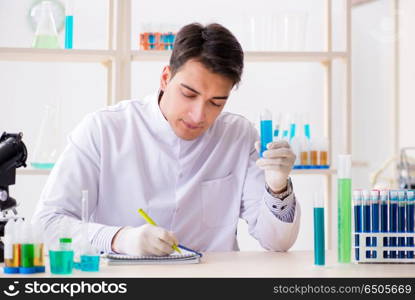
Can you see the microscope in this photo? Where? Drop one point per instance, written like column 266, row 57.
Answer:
column 13, row 155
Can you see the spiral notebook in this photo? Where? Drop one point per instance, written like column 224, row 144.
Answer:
column 188, row 256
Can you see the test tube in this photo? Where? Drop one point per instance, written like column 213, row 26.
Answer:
column 277, row 127
column 357, row 208
column 344, row 198
column 38, row 261
column 383, row 195
column 11, row 249
column 27, row 250
column 69, row 24
column 366, row 219
column 374, row 203
column 314, row 153
column 319, row 241
column 393, row 220
column 410, row 198
column 266, row 130
column 401, row 221
column 293, row 127
column 307, row 132
column 323, row 153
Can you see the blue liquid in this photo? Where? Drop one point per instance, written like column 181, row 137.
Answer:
column 357, row 223
column 401, row 228
column 384, row 217
column 319, row 249
column 266, row 135
column 285, row 133
column 357, row 227
column 393, row 225
column 410, row 227
column 90, row 263
column 276, row 132
column 61, row 262
column 375, row 217
column 43, row 166
column 366, row 218
column 292, row 130
column 307, row 130
column 366, row 224
column 68, row 32
column 152, row 40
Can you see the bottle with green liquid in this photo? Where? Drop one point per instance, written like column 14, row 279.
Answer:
column 46, row 35
column 344, row 198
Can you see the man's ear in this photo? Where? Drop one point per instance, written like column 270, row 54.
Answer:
column 165, row 77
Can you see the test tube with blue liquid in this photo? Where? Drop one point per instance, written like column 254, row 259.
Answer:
column 410, row 215
column 307, row 132
column 277, row 128
column 401, row 221
column 393, row 220
column 266, row 130
column 319, row 240
column 293, row 127
column 366, row 220
column 357, row 207
column 383, row 195
column 69, row 24
column 374, row 204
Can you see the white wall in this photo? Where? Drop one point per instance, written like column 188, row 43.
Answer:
column 282, row 87
column 407, row 73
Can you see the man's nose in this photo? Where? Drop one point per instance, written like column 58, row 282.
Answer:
column 197, row 113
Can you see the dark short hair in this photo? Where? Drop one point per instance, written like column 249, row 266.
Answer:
column 212, row 45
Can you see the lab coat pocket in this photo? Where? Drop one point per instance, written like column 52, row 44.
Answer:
column 220, row 206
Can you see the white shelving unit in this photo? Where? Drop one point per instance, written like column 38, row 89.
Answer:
column 117, row 60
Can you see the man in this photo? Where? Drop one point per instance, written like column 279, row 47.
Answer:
column 192, row 168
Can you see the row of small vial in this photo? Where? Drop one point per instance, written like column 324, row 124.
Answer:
column 157, row 40
column 386, row 212
column 311, row 153
column 23, row 248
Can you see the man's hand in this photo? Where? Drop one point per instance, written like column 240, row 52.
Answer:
column 277, row 162
column 144, row 240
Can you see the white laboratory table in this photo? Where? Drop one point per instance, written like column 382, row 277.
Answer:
column 250, row 264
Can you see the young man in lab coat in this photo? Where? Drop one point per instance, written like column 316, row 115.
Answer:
column 193, row 168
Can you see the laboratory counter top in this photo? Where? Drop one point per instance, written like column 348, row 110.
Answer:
column 249, row 264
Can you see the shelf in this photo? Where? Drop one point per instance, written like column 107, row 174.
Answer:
column 29, row 171
column 64, row 55
column 253, row 56
column 55, row 55
column 313, row 171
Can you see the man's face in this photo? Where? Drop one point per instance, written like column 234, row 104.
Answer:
column 193, row 98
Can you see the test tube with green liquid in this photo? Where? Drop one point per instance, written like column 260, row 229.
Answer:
column 344, row 201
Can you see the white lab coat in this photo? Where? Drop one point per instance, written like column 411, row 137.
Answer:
column 128, row 157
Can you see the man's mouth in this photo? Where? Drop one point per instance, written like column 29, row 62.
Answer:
column 189, row 125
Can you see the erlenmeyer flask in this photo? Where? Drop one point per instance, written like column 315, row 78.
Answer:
column 46, row 35
column 47, row 146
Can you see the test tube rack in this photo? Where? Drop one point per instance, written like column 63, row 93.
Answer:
column 375, row 247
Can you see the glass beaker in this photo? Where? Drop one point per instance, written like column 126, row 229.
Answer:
column 47, row 146
column 46, row 35
column 291, row 31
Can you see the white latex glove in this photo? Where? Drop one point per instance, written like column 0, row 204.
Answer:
column 277, row 163
column 144, row 240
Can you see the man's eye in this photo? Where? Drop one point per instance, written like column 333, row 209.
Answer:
column 214, row 104
column 188, row 95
